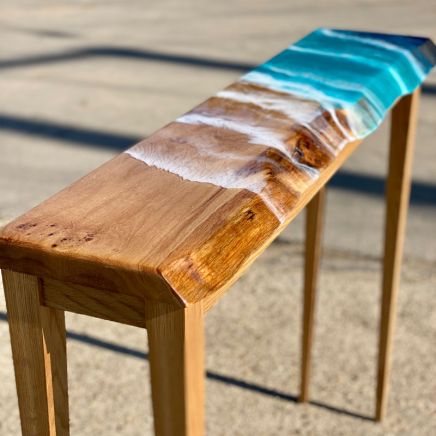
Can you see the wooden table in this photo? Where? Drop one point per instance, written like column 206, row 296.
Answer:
column 154, row 237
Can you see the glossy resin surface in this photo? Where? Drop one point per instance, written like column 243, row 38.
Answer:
column 278, row 126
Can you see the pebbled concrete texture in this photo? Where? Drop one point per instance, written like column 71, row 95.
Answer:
column 80, row 81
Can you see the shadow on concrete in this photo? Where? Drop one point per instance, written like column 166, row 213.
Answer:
column 65, row 132
column 422, row 193
column 211, row 375
column 124, row 53
column 429, row 89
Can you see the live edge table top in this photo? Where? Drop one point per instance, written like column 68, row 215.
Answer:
column 179, row 216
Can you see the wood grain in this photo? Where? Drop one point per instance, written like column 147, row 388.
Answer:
column 112, row 306
column 138, row 230
column 39, row 354
column 403, row 128
column 230, row 231
column 176, row 344
column 314, row 231
column 179, row 216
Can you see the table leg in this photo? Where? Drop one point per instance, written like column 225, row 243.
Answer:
column 314, row 229
column 176, row 346
column 39, row 354
column 403, row 126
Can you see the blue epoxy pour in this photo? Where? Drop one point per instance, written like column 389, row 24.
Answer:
column 358, row 72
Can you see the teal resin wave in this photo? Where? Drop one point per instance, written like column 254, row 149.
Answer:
column 361, row 73
column 277, row 128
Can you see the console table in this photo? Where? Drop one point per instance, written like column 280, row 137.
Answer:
column 154, row 237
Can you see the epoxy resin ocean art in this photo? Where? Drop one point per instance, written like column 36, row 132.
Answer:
column 274, row 130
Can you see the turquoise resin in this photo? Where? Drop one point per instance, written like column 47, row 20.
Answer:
column 361, row 73
column 280, row 126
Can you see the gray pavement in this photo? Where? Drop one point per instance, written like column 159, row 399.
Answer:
column 80, row 81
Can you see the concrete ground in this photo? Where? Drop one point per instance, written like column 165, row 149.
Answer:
column 82, row 80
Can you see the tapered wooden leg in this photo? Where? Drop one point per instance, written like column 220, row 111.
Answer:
column 39, row 355
column 403, row 126
column 314, row 228
column 176, row 346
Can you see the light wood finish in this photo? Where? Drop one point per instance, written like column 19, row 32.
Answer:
column 403, row 127
column 195, row 243
column 176, row 347
column 179, row 216
column 314, row 231
column 113, row 306
column 55, row 353
column 39, row 354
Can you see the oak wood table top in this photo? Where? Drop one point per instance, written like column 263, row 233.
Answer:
column 179, row 216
